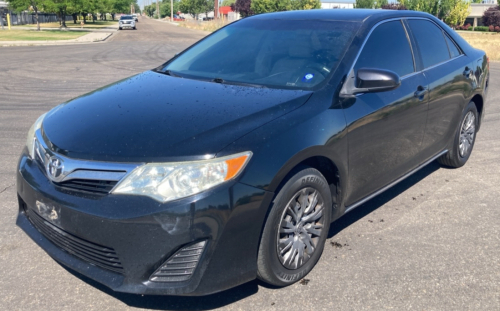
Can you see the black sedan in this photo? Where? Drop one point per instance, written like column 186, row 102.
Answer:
column 230, row 161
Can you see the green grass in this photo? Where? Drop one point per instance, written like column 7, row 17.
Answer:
column 44, row 35
column 69, row 24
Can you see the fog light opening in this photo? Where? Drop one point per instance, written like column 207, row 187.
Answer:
column 180, row 266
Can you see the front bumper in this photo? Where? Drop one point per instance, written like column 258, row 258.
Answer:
column 144, row 233
column 127, row 25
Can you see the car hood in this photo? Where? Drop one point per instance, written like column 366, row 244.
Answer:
column 156, row 117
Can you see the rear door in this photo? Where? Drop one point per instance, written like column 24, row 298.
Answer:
column 385, row 129
column 450, row 75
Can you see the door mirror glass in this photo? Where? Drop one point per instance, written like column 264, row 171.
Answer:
column 369, row 80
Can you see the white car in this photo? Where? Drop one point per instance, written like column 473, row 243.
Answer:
column 126, row 21
column 135, row 17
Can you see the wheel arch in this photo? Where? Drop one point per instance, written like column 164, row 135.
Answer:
column 479, row 102
column 331, row 169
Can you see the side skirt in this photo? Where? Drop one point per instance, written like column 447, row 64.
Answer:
column 371, row 196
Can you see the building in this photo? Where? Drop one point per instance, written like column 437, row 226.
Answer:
column 337, row 4
column 475, row 17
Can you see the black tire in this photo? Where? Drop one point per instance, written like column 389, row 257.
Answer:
column 455, row 158
column 310, row 186
column 135, row 28
column 119, row 28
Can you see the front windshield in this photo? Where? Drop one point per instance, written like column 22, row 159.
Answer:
column 297, row 54
column 125, row 17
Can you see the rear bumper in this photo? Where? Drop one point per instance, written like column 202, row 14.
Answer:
column 144, row 233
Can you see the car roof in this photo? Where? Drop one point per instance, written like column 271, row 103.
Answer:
column 359, row 15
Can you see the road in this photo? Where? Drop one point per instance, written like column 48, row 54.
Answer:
column 432, row 242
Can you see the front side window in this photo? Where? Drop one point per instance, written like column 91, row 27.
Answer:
column 387, row 48
column 430, row 41
column 296, row 54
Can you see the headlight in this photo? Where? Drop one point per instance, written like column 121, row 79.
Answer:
column 31, row 135
column 171, row 181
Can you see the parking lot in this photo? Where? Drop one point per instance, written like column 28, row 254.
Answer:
column 430, row 243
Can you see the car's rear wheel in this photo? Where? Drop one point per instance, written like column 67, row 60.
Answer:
column 464, row 140
column 296, row 229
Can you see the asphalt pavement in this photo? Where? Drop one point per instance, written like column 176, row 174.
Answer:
column 430, row 243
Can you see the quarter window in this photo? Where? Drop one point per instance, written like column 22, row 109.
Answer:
column 430, row 42
column 387, row 48
column 454, row 52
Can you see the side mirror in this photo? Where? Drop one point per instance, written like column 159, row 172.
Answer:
column 376, row 80
column 369, row 80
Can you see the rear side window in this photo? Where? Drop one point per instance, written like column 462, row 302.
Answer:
column 387, row 48
column 430, row 41
column 454, row 52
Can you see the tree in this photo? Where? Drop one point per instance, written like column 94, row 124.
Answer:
column 165, row 8
column 306, row 4
column 364, row 4
column 491, row 17
column 459, row 11
column 228, row 2
column 381, row 3
column 23, row 5
column 195, row 7
column 244, row 7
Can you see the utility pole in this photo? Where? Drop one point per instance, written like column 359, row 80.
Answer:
column 216, row 9
column 158, row 9
column 171, row 10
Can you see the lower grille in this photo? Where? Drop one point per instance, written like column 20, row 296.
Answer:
column 102, row 256
column 180, row 267
column 88, row 185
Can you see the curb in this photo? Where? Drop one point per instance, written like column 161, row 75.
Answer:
column 51, row 43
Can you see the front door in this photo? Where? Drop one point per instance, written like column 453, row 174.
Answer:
column 385, row 129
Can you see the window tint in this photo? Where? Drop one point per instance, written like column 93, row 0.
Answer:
column 387, row 48
column 454, row 52
column 430, row 42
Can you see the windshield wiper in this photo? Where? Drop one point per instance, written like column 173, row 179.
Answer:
column 222, row 81
column 171, row 73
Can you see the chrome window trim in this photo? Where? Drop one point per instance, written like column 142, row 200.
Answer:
column 368, row 37
column 411, row 46
column 444, row 34
column 79, row 169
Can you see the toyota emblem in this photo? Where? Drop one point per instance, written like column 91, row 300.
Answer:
column 55, row 168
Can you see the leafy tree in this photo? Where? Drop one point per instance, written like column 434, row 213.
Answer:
column 491, row 17
column 381, row 3
column 165, row 8
column 228, row 2
column 195, row 7
column 364, row 4
column 458, row 12
column 306, row 4
column 22, row 5
column 244, row 7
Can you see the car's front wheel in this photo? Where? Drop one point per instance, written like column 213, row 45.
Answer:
column 296, row 229
column 464, row 139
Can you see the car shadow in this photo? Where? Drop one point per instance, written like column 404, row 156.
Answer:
column 378, row 201
column 245, row 290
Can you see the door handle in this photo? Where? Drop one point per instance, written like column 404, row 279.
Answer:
column 420, row 92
